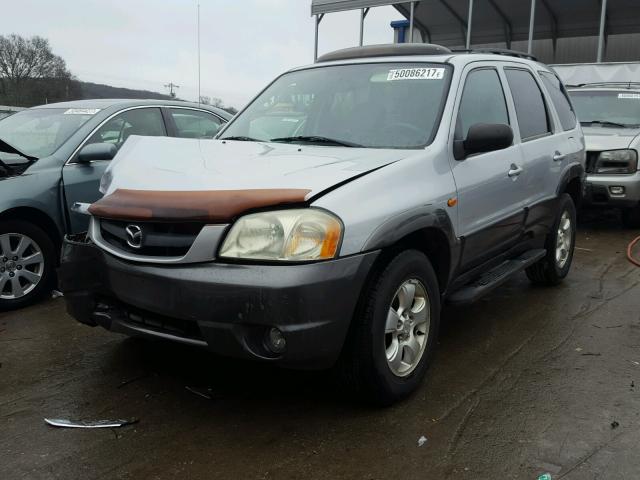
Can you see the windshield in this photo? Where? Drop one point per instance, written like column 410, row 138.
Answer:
column 40, row 132
column 607, row 106
column 382, row 105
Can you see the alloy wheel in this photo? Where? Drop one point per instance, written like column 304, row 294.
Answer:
column 407, row 327
column 564, row 239
column 21, row 265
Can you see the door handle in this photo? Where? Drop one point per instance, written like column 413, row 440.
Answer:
column 515, row 170
column 558, row 157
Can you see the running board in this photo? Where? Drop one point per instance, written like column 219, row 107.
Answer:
column 492, row 279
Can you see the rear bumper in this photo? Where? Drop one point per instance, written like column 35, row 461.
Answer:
column 226, row 308
column 598, row 193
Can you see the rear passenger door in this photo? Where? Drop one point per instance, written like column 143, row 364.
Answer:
column 490, row 209
column 543, row 143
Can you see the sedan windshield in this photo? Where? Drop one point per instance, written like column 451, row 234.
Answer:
column 41, row 131
column 607, row 108
column 381, row 105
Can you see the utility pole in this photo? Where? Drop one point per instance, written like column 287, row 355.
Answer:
column 171, row 86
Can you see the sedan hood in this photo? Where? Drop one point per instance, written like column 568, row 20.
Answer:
column 598, row 139
column 174, row 165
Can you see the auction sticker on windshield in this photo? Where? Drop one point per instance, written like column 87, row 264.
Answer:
column 81, row 111
column 416, row 74
column 635, row 96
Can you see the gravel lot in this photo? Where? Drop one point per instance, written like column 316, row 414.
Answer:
column 527, row 381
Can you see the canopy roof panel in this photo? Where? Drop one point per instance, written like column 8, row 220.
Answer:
column 445, row 21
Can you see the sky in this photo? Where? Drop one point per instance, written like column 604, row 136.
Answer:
column 146, row 44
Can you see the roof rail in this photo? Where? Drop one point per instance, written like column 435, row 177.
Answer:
column 384, row 50
column 606, row 84
column 498, row 51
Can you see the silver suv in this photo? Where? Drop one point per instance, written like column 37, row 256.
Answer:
column 610, row 116
column 332, row 217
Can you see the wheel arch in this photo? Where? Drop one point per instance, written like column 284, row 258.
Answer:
column 424, row 229
column 38, row 218
column 572, row 183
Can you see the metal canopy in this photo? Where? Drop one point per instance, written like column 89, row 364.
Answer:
column 445, row 22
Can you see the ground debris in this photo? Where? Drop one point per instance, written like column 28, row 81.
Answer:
column 65, row 423
column 422, row 440
column 614, row 424
column 56, row 294
column 545, row 476
column 201, row 392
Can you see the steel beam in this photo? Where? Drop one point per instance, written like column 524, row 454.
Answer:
column 532, row 19
column 457, row 16
column 469, row 24
column 315, row 44
column 603, row 18
column 363, row 15
column 554, row 24
column 508, row 27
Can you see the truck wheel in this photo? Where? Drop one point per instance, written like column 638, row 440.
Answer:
column 395, row 330
column 27, row 262
column 631, row 217
column 560, row 245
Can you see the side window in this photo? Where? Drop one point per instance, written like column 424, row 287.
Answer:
column 139, row 121
column 560, row 100
column 531, row 110
column 482, row 101
column 195, row 123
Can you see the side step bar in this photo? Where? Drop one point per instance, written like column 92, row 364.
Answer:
column 495, row 277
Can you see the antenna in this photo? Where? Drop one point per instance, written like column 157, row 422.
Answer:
column 199, row 54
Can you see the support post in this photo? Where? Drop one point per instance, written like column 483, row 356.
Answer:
column 469, row 21
column 603, row 16
column 363, row 15
column 315, row 44
column 413, row 5
column 532, row 19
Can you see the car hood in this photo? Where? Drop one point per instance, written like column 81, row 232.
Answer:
column 598, row 139
column 173, row 164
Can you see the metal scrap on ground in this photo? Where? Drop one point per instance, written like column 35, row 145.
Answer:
column 64, row 423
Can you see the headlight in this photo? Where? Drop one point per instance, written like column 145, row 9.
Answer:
column 617, row 162
column 284, row 235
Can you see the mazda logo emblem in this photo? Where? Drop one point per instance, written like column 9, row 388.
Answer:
column 134, row 236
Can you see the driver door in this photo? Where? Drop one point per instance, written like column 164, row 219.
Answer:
column 82, row 180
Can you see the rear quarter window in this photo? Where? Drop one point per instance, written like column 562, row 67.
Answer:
column 560, row 100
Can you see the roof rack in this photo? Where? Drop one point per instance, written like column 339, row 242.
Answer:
column 606, row 84
column 498, row 51
column 385, row 50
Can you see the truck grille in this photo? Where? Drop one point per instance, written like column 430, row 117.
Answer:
column 154, row 239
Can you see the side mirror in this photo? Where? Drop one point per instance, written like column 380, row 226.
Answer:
column 96, row 151
column 484, row 137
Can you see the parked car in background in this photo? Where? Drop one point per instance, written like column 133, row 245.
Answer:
column 610, row 116
column 407, row 175
column 53, row 156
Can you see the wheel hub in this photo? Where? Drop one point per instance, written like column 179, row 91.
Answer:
column 21, row 265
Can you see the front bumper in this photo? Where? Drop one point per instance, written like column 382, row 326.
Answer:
column 227, row 308
column 598, row 193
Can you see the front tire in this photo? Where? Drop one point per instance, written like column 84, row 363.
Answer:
column 395, row 330
column 560, row 244
column 27, row 262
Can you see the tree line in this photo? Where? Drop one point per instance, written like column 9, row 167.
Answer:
column 31, row 74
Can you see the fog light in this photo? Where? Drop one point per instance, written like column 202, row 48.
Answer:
column 616, row 190
column 276, row 341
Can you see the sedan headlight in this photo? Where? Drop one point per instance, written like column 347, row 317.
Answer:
column 284, row 235
column 617, row 162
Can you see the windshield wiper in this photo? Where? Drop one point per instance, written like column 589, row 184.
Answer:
column 316, row 139
column 5, row 147
column 606, row 123
column 242, row 138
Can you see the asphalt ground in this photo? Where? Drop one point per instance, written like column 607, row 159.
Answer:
column 525, row 382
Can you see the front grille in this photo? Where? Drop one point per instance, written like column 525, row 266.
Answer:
column 137, row 317
column 156, row 239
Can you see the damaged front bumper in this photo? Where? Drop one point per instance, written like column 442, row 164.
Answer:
column 227, row 308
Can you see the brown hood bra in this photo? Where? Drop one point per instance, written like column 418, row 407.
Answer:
column 206, row 206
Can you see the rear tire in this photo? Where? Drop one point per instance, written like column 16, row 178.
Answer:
column 27, row 264
column 560, row 244
column 395, row 330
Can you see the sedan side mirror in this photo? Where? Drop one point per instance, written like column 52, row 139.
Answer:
column 484, row 137
column 96, row 151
